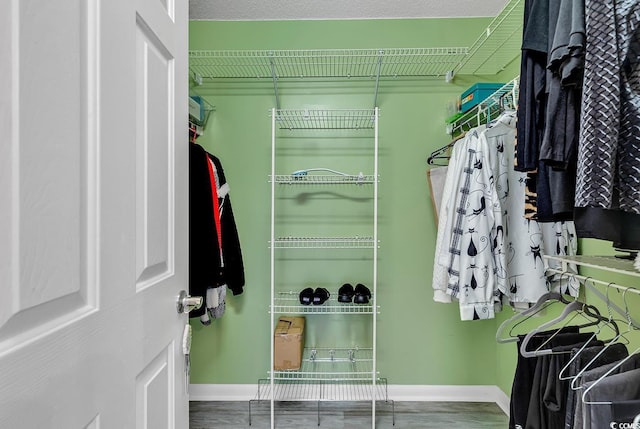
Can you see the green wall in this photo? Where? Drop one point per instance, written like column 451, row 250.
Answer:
column 419, row 341
column 342, row 34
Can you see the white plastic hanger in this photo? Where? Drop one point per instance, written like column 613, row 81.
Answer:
column 543, row 302
column 574, row 308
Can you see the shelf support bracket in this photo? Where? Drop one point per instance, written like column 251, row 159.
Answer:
column 197, row 79
column 448, row 77
column 378, row 68
column 275, row 79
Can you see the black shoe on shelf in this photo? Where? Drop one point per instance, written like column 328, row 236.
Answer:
column 362, row 294
column 306, row 296
column 320, row 296
column 345, row 293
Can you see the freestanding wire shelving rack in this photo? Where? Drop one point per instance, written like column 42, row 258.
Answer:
column 327, row 373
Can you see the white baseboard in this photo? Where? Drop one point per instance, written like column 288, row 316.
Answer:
column 222, row 392
column 419, row 393
column 430, row 393
column 503, row 401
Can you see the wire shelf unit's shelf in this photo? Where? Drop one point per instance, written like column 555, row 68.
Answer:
column 325, row 119
column 324, row 179
column 324, row 243
column 325, row 63
column 289, row 303
column 322, row 391
column 332, row 364
column 498, row 45
column 505, row 97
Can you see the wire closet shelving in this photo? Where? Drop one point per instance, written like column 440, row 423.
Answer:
column 339, row 373
column 497, row 45
column 488, row 109
column 492, row 51
column 325, row 63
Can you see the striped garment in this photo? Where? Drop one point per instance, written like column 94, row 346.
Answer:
column 608, row 173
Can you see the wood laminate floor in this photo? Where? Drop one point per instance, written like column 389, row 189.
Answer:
column 347, row 415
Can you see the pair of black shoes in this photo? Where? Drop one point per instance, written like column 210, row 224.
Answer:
column 359, row 295
column 316, row 297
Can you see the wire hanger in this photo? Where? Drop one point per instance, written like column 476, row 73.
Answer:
column 440, row 154
column 617, row 365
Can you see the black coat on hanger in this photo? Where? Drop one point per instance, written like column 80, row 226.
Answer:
column 205, row 266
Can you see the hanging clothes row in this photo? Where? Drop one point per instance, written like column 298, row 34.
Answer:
column 579, row 114
column 577, row 375
column 215, row 257
column 486, row 251
column 552, row 65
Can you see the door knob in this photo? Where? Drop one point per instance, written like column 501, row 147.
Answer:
column 187, row 303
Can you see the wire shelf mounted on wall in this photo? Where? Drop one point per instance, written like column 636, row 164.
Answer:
column 506, row 97
column 199, row 112
column 324, row 63
column 497, row 45
column 492, row 51
column 282, row 65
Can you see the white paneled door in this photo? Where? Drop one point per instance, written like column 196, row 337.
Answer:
column 93, row 213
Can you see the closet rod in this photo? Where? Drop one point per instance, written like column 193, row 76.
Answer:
column 589, row 282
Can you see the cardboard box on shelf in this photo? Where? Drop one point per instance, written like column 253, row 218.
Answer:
column 288, row 342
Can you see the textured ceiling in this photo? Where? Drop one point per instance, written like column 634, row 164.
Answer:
column 234, row 10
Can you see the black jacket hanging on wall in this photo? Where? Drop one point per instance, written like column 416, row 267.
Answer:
column 206, row 269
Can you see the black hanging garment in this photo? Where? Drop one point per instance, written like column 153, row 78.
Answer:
column 545, row 412
column 212, row 263
column 523, row 381
column 595, row 356
column 582, row 419
column 532, row 102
